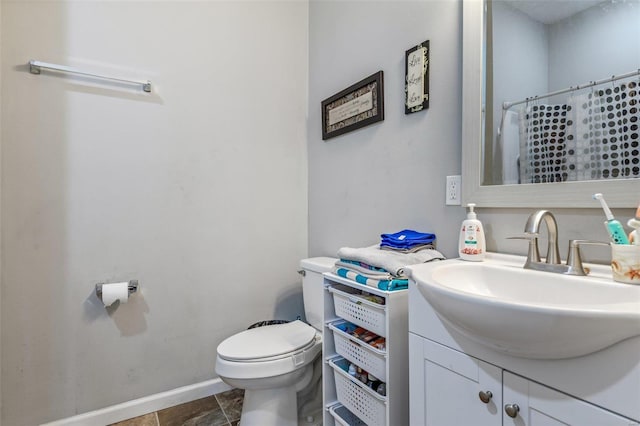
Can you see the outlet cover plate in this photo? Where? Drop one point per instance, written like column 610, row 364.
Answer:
column 453, row 190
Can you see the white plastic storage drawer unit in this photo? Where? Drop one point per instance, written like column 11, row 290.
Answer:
column 359, row 352
column 352, row 306
column 344, row 417
column 362, row 401
column 367, row 329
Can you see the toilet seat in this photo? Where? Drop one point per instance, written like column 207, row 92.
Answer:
column 268, row 342
column 268, row 351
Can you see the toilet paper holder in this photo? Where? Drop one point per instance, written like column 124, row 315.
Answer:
column 132, row 287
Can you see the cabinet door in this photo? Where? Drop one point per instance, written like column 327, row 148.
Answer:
column 445, row 385
column 539, row 405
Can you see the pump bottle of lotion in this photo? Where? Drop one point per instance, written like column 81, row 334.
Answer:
column 472, row 244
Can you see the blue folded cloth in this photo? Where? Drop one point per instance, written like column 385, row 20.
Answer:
column 406, row 239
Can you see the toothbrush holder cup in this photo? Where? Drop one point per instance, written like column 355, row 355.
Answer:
column 625, row 263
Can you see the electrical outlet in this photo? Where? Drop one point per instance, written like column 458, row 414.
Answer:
column 453, row 190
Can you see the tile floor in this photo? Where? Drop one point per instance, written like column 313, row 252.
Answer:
column 217, row 410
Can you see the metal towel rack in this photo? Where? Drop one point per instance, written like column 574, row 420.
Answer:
column 35, row 67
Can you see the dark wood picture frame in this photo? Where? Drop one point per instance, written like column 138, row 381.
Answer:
column 357, row 106
column 416, row 81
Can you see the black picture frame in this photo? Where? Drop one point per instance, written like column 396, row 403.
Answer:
column 416, row 81
column 355, row 107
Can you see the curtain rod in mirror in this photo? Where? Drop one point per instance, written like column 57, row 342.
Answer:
column 507, row 105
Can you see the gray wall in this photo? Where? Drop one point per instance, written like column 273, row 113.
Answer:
column 1, row 250
column 588, row 224
column 595, row 44
column 531, row 58
column 390, row 175
column 520, row 58
column 198, row 190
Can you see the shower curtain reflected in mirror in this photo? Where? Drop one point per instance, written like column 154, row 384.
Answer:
column 592, row 134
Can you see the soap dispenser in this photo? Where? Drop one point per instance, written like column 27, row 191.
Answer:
column 472, row 245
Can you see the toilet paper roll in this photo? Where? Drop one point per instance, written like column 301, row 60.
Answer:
column 115, row 291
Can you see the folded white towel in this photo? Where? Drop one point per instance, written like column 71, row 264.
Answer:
column 391, row 261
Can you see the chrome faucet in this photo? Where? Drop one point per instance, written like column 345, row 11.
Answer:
column 532, row 226
column 552, row 261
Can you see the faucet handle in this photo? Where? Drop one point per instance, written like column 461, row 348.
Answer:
column 574, row 260
column 534, row 254
column 524, row 236
column 588, row 242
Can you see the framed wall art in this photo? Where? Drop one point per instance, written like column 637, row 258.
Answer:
column 357, row 106
column 417, row 78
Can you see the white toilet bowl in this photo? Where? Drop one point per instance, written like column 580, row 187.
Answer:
column 272, row 364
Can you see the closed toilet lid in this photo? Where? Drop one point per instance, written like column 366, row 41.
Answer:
column 266, row 342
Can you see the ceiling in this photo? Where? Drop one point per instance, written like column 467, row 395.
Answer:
column 550, row 11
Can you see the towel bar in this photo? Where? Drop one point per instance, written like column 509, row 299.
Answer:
column 35, row 67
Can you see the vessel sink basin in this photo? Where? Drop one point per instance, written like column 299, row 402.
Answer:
column 527, row 313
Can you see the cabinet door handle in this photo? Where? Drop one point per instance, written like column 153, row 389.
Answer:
column 485, row 396
column 512, row 410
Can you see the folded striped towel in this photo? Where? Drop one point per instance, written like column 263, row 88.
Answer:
column 386, row 285
column 364, row 269
column 389, row 260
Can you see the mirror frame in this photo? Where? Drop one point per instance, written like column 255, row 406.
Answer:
column 618, row 192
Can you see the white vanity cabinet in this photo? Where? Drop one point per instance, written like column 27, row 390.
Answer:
column 449, row 388
column 444, row 386
column 451, row 378
column 347, row 400
column 527, row 403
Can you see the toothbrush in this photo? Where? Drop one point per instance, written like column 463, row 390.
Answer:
column 634, row 236
column 614, row 228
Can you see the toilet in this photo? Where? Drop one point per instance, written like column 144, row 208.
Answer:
column 278, row 364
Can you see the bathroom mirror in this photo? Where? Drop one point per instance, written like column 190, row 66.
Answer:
column 487, row 74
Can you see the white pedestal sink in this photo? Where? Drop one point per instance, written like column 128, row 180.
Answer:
column 527, row 313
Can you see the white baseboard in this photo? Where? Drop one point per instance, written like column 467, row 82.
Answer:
column 147, row 404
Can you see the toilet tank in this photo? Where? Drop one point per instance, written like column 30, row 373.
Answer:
column 313, row 288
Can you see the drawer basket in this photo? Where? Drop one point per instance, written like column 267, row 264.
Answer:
column 345, row 417
column 359, row 311
column 365, row 403
column 360, row 353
